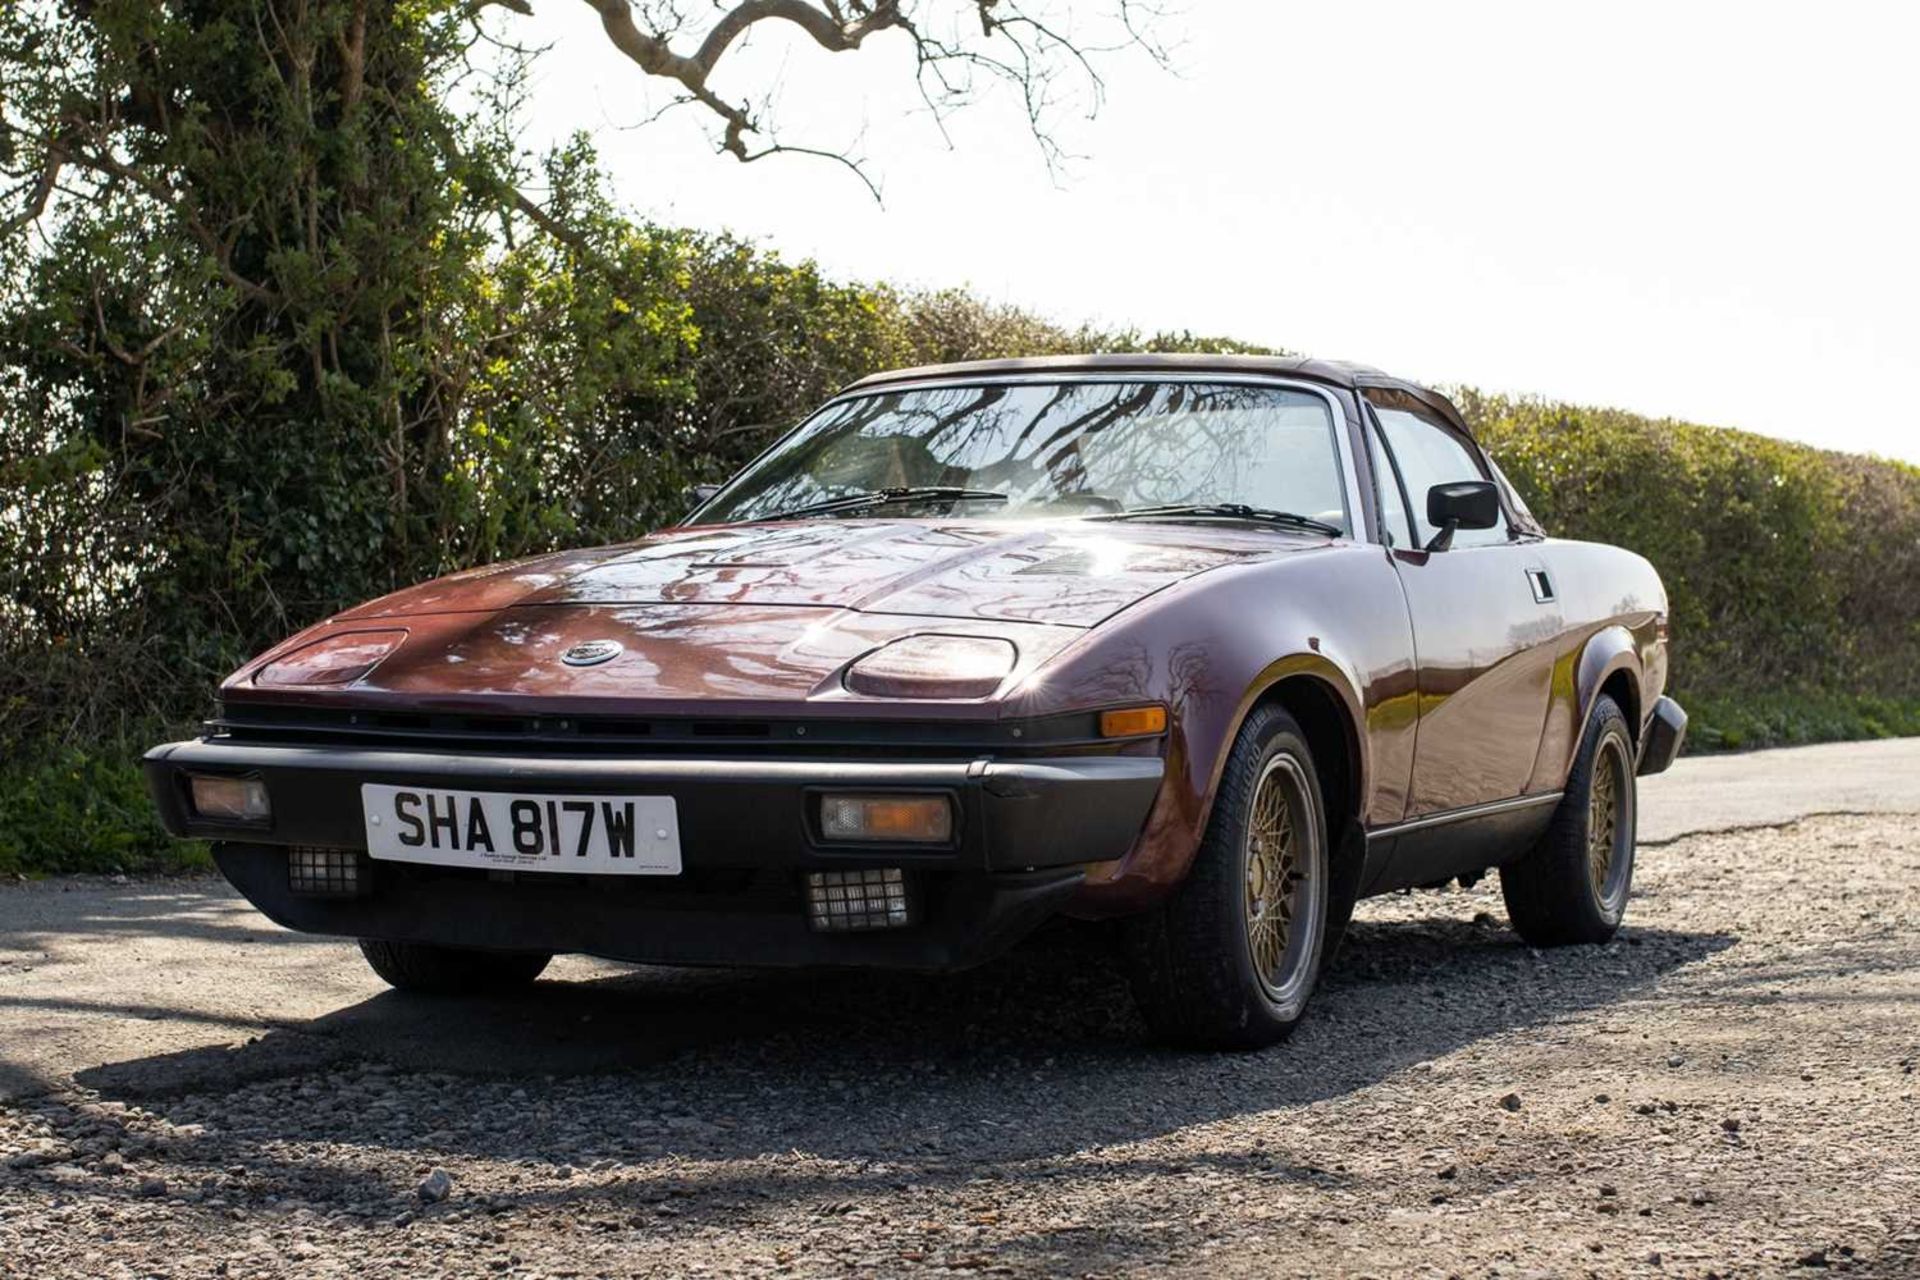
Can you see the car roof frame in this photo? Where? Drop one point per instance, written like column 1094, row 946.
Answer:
column 1334, row 373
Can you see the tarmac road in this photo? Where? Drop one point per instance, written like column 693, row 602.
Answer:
column 1768, row 788
column 178, row 1069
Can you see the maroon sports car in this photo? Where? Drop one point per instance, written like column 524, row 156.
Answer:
column 1211, row 645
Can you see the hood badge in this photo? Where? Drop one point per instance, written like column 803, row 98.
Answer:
column 591, row 653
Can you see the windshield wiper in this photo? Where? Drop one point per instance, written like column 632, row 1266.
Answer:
column 887, row 498
column 1226, row 511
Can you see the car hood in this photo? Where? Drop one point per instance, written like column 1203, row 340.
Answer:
column 1065, row 573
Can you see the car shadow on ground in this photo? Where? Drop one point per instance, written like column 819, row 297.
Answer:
column 1400, row 993
column 698, row 1094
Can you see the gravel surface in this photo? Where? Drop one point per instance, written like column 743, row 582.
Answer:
column 1728, row 1089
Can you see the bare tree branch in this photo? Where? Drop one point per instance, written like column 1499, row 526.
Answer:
column 858, row 170
column 1013, row 47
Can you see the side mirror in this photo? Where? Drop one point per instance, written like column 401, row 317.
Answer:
column 1461, row 504
column 697, row 496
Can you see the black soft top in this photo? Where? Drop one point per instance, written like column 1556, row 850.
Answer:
column 1336, row 373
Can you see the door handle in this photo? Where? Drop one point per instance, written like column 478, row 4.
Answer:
column 1542, row 586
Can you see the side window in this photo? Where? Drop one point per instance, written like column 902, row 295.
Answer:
column 1429, row 454
column 1393, row 506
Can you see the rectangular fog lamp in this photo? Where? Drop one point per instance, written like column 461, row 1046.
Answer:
column 856, row 901
column 886, row 819
column 321, row 872
column 230, row 799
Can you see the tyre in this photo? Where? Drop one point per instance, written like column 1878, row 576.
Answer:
column 1572, row 887
column 421, row 967
column 1230, row 959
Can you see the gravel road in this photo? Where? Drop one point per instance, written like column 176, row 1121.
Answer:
column 1728, row 1089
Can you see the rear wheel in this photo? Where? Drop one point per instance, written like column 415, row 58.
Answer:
column 422, row 967
column 1573, row 886
column 1231, row 958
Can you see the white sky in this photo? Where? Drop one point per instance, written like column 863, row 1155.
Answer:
column 1707, row 210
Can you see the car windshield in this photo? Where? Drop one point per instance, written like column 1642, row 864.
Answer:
column 1022, row 450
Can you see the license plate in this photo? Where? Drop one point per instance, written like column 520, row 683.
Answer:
column 599, row 835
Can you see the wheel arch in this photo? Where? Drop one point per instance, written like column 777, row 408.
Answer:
column 1609, row 664
column 1322, row 702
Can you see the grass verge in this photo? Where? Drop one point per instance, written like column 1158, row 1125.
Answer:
column 1793, row 719
column 67, row 808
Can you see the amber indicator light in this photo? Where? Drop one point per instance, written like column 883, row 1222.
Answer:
column 918, row 819
column 1131, row 722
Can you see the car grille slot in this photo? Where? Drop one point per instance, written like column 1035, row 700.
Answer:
column 615, row 728
column 592, row 734
column 730, row 729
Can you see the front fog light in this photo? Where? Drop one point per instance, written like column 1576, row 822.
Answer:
column 230, row 799
column 325, row 873
column 851, row 901
column 886, row 819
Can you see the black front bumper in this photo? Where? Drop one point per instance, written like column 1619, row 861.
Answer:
column 1023, row 829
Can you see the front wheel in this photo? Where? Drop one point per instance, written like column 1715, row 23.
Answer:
column 422, row 967
column 1231, row 958
column 1573, row 886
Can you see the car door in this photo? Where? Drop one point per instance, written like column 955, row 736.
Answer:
column 1484, row 618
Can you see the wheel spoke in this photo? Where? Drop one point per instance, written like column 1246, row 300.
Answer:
column 1603, row 818
column 1274, row 875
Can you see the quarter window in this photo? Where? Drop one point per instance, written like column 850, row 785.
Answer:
column 1429, row 454
column 1524, row 519
column 1393, row 506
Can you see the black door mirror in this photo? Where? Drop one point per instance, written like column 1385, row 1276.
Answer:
column 1461, row 504
column 698, row 495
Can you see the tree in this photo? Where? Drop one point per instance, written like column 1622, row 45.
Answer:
column 275, row 335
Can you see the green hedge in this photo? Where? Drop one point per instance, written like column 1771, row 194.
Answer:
column 1794, row 572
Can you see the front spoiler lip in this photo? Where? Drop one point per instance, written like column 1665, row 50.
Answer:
column 1014, row 814
column 976, row 918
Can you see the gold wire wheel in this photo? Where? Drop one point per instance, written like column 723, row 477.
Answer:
column 1602, row 820
column 1282, row 877
column 1609, row 822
